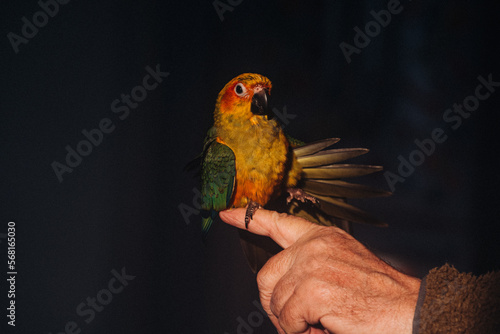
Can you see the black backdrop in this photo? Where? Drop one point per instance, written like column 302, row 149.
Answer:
column 128, row 206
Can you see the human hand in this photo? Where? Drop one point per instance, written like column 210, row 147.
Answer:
column 324, row 279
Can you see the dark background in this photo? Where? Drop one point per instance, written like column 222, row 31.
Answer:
column 120, row 208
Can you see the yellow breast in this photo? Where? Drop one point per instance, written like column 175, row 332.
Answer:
column 261, row 152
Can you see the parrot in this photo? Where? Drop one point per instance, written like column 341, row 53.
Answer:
column 248, row 161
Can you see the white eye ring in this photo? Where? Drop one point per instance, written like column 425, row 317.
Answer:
column 240, row 90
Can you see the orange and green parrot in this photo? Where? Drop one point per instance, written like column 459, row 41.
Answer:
column 248, row 161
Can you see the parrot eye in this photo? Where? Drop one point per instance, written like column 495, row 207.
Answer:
column 240, row 90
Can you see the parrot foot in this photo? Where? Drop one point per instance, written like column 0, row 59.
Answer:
column 300, row 195
column 251, row 209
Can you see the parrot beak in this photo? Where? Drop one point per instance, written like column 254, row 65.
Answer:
column 259, row 102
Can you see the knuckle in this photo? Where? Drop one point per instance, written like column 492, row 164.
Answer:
column 323, row 293
column 269, row 271
column 286, row 321
column 276, row 217
column 262, row 276
column 319, row 244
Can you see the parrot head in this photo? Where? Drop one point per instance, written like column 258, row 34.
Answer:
column 243, row 99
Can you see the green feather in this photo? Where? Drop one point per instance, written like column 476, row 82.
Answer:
column 294, row 142
column 218, row 173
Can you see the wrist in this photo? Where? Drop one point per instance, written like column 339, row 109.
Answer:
column 403, row 315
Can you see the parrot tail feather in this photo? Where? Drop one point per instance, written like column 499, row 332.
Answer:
column 339, row 171
column 340, row 209
column 314, row 147
column 329, row 157
column 322, row 172
column 342, row 189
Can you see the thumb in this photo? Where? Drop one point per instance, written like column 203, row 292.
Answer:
column 282, row 228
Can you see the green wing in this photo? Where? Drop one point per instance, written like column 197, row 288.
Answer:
column 218, row 173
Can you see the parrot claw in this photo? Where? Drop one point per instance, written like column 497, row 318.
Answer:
column 300, row 195
column 251, row 209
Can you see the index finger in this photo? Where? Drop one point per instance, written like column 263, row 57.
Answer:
column 282, row 228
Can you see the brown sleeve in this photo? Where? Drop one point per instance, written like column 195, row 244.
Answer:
column 454, row 302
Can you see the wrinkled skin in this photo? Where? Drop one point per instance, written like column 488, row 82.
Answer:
column 325, row 281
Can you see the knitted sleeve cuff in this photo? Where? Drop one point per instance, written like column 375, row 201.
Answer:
column 454, row 302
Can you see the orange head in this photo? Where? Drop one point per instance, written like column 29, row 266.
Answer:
column 242, row 98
